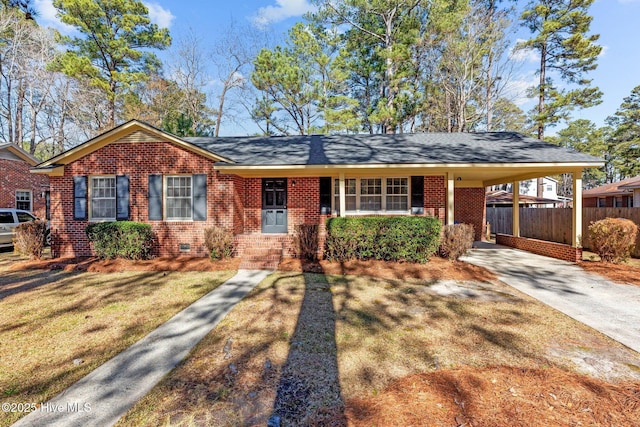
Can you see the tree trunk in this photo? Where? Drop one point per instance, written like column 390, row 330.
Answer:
column 541, row 95
column 112, row 104
column 220, row 108
column 19, row 131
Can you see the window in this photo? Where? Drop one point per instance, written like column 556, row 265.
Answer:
column 178, row 198
column 602, row 202
column 549, row 187
column 6, row 218
column 373, row 195
column 350, row 191
column 103, row 198
column 618, row 202
column 23, row 200
column 25, row 217
column 397, row 191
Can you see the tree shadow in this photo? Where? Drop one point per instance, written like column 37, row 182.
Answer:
column 308, row 391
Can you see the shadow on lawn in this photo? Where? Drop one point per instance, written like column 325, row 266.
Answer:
column 308, row 391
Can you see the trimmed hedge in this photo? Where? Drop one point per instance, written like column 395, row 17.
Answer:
column 613, row 238
column 121, row 239
column 400, row 238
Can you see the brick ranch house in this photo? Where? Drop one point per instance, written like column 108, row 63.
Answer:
column 621, row 194
column 20, row 189
column 261, row 187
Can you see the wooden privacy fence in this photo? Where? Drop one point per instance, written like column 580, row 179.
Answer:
column 554, row 224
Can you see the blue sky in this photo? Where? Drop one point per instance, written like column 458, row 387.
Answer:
column 617, row 22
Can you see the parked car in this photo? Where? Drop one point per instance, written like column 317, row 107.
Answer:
column 9, row 220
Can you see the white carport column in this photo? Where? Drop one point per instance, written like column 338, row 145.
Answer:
column 342, row 197
column 515, row 215
column 576, row 235
column 451, row 183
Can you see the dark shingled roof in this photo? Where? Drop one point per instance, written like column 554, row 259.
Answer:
column 419, row 148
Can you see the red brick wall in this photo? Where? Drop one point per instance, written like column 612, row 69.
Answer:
column 138, row 160
column 590, row 202
column 435, row 197
column 470, row 208
column 541, row 247
column 15, row 175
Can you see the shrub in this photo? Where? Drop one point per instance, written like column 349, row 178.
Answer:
column 613, row 238
column 121, row 239
column 456, row 240
column 219, row 242
column 30, row 237
column 305, row 241
column 412, row 239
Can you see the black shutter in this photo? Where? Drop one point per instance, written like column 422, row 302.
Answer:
column 417, row 195
column 155, row 197
column 325, row 195
column 199, row 197
column 79, row 197
column 122, row 197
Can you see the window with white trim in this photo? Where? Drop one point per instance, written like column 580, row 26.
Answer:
column 23, row 200
column 350, row 192
column 179, row 198
column 397, row 191
column 102, row 193
column 373, row 194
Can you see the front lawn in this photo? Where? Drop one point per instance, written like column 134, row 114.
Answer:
column 57, row 326
column 327, row 349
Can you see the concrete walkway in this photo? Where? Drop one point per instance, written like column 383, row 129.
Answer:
column 611, row 308
column 107, row 393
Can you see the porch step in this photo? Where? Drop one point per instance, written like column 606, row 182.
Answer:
column 260, row 251
column 261, row 259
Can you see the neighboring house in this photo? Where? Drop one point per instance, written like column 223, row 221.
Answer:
column 539, row 193
column 262, row 187
column 622, row 194
column 20, row 189
column 504, row 199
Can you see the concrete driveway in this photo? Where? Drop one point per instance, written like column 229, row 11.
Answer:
column 611, row 308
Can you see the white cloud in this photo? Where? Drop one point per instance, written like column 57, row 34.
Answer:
column 604, row 50
column 159, row 15
column 47, row 17
column 516, row 89
column 523, row 54
column 282, row 10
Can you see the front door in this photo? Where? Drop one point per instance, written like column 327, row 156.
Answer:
column 274, row 205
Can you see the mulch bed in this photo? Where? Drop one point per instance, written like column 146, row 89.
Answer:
column 620, row 273
column 499, row 396
column 435, row 269
column 97, row 265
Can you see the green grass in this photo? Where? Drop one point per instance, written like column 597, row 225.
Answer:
column 51, row 318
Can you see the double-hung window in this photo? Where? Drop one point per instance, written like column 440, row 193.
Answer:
column 372, row 195
column 397, row 191
column 102, row 192
column 350, row 191
column 23, row 200
column 179, row 198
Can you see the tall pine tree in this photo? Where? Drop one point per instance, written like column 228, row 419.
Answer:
column 110, row 52
column 626, row 135
column 560, row 36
